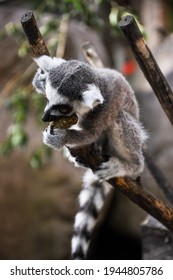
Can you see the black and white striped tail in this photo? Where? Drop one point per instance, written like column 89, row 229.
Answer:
column 91, row 200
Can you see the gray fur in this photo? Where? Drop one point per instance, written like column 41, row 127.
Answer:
column 107, row 110
column 71, row 78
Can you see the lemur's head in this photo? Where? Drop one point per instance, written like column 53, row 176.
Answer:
column 69, row 86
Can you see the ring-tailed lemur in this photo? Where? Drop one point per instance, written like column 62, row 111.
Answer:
column 107, row 113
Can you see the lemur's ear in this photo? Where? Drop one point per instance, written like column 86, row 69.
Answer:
column 46, row 62
column 92, row 96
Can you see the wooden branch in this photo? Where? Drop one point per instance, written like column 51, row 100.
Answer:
column 143, row 198
column 148, row 64
column 130, row 188
column 33, row 34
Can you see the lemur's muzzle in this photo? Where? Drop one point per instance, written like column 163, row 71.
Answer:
column 61, row 116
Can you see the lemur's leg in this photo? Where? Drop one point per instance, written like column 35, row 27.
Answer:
column 126, row 159
column 91, row 200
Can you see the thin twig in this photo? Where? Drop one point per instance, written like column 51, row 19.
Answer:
column 62, row 36
column 91, row 55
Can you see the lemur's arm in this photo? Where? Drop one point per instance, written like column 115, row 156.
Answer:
column 68, row 138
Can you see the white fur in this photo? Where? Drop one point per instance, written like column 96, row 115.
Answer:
column 106, row 188
column 69, row 156
column 41, row 77
column 80, row 221
column 92, row 96
column 76, row 241
column 89, row 178
column 98, row 201
column 53, row 96
column 75, row 127
column 46, row 62
column 85, row 196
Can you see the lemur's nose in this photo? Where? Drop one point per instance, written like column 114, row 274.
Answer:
column 46, row 117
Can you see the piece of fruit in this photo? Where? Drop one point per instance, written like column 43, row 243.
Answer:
column 64, row 122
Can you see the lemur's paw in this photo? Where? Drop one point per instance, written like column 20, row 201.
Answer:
column 55, row 141
column 105, row 171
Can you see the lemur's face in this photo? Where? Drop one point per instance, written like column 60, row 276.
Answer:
column 69, row 87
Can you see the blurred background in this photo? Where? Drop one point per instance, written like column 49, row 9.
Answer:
column 38, row 186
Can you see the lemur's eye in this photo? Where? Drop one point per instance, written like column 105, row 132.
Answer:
column 65, row 109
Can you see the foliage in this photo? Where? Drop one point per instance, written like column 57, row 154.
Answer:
column 17, row 136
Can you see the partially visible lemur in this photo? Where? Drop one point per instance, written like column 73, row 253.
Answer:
column 108, row 115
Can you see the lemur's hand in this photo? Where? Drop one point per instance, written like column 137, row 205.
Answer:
column 55, row 139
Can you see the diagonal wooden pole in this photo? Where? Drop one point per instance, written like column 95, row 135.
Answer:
column 148, row 64
column 33, row 34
